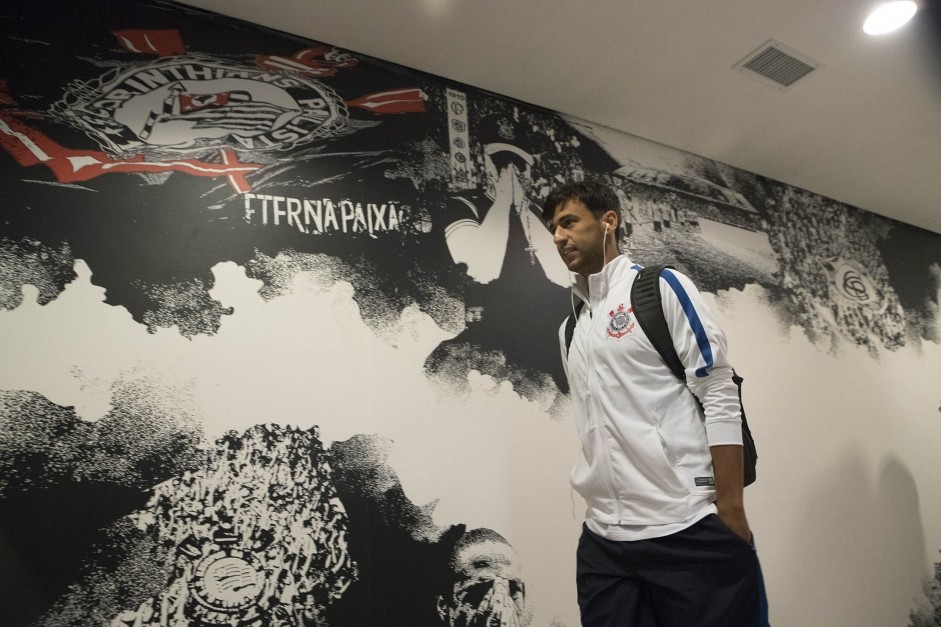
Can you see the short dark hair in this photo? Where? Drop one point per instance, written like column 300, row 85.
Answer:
column 597, row 196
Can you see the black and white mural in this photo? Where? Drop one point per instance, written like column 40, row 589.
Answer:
column 278, row 324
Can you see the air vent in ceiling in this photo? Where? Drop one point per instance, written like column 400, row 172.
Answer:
column 777, row 65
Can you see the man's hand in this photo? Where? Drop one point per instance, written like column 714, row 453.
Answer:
column 734, row 519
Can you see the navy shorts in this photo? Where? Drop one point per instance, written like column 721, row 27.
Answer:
column 703, row 576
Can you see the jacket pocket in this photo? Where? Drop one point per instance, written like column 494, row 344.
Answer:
column 671, row 462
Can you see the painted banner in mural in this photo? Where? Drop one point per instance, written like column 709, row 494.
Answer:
column 279, row 322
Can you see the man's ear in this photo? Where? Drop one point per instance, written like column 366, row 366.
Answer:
column 610, row 218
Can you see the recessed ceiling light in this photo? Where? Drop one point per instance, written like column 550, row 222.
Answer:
column 889, row 16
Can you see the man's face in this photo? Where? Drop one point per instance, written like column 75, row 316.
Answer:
column 579, row 237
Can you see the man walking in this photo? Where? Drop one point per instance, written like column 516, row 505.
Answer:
column 666, row 541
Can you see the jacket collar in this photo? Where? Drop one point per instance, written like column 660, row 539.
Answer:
column 598, row 282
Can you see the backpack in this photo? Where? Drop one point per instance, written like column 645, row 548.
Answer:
column 646, row 305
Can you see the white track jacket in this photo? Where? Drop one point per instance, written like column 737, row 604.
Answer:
column 645, row 456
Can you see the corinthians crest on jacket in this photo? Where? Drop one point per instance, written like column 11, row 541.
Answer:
column 620, row 322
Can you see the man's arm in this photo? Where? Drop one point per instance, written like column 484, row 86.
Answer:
column 727, row 463
column 701, row 345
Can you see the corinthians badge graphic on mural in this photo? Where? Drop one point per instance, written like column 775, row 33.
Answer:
column 851, row 283
column 199, row 103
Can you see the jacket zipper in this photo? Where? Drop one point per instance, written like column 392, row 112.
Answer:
column 602, row 425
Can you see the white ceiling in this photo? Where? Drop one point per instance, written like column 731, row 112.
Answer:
column 864, row 128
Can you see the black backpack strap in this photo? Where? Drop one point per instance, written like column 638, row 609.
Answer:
column 647, row 308
column 570, row 323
